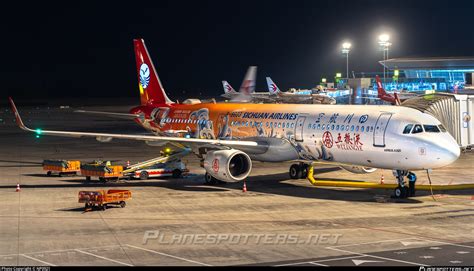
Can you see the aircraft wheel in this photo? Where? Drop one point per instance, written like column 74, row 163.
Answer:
column 209, row 179
column 296, row 171
column 304, row 171
column 144, row 175
column 49, row 173
column 400, row 192
column 122, row 204
column 412, row 184
column 177, row 173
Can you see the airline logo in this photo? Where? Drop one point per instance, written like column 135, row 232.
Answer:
column 144, row 75
column 272, row 87
column 227, row 87
column 248, row 87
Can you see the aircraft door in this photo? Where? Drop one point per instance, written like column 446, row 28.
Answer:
column 379, row 129
column 299, row 128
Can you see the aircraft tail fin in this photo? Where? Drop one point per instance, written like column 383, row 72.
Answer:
column 383, row 95
column 227, row 87
column 248, row 85
column 149, row 84
column 272, row 87
column 380, row 90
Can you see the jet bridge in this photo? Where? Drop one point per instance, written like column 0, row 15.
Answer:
column 454, row 111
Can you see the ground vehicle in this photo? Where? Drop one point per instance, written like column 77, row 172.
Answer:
column 102, row 198
column 103, row 171
column 61, row 167
column 173, row 169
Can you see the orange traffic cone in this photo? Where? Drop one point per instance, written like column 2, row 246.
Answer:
column 18, row 189
column 381, row 179
column 244, row 189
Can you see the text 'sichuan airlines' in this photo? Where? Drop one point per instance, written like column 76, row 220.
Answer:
column 229, row 136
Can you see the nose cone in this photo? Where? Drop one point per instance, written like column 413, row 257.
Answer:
column 450, row 151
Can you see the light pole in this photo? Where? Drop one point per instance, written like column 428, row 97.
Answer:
column 346, row 48
column 385, row 44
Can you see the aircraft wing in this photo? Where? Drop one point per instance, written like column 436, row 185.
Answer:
column 110, row 114
column 108, row 137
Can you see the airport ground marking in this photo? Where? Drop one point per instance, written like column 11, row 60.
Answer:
column 104, row 258
column 168, row 255
column 319, row 261
column 38, row 260
column 377, row 257
column 318, row 264
column 446, row 243
column 375, row 242
column 62, row 250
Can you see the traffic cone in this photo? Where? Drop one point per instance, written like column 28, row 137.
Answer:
column 18, row 189
column 244, row 189
column 381, row 180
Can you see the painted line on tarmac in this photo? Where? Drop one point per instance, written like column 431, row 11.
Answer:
column 377, row 257
column 446, row 243
column 168, row 255
column 38, row 260
column 375, row 242
column 318, row 261
column 104, row 258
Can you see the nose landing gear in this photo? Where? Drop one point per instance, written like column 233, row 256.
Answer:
column 404, row 189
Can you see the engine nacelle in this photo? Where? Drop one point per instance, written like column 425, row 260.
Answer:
column 228, row 165
column 359, row 170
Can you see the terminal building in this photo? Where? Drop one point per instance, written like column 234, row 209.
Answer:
column 447, row 74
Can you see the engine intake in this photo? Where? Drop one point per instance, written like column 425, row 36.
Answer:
column 228, row 165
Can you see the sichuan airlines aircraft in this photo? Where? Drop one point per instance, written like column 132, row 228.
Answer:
column 229, row 136
column 294, row 97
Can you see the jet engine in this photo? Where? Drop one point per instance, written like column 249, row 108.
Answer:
column 228, row 165
column 359, row 170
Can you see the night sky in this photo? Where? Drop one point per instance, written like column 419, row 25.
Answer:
column 86, row 50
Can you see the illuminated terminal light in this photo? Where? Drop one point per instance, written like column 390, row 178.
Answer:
column 338, row 75
column 323, row 80
column 38, row 132
column 396, row 72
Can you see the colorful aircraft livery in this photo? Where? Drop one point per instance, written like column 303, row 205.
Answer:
column 229, row 136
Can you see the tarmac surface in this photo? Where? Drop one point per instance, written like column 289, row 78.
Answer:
column 168, row 221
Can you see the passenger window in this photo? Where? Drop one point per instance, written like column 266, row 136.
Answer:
column 352, row 128
column 441, row 127
column 431, row 128
column 417, row 129
column 292, row 125
column 407, row 129
column 332, row 127
column 319, row 126
column 357, row 128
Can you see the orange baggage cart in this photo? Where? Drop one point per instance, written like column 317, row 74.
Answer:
column 102, row 198
column 61, row 167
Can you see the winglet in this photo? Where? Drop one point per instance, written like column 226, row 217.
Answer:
column 17, row 116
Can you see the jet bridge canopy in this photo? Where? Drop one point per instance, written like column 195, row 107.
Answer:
column 452, row 110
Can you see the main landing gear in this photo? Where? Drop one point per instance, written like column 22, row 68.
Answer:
column 405, row 189
column 299, row 171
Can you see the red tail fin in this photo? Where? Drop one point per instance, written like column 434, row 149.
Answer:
column 151, row 89
column 380, row 90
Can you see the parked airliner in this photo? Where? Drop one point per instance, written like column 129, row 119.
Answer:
column 229, row 136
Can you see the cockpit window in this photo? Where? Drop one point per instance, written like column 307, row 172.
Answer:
column 407, row 129
column 431, row 128
column 441, row 127
column 417, row 129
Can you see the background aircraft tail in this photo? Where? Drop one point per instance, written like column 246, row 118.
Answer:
column 227, row 87
column 383, row 95
column 248, row 85
column 151, row 89
column 272, row 87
